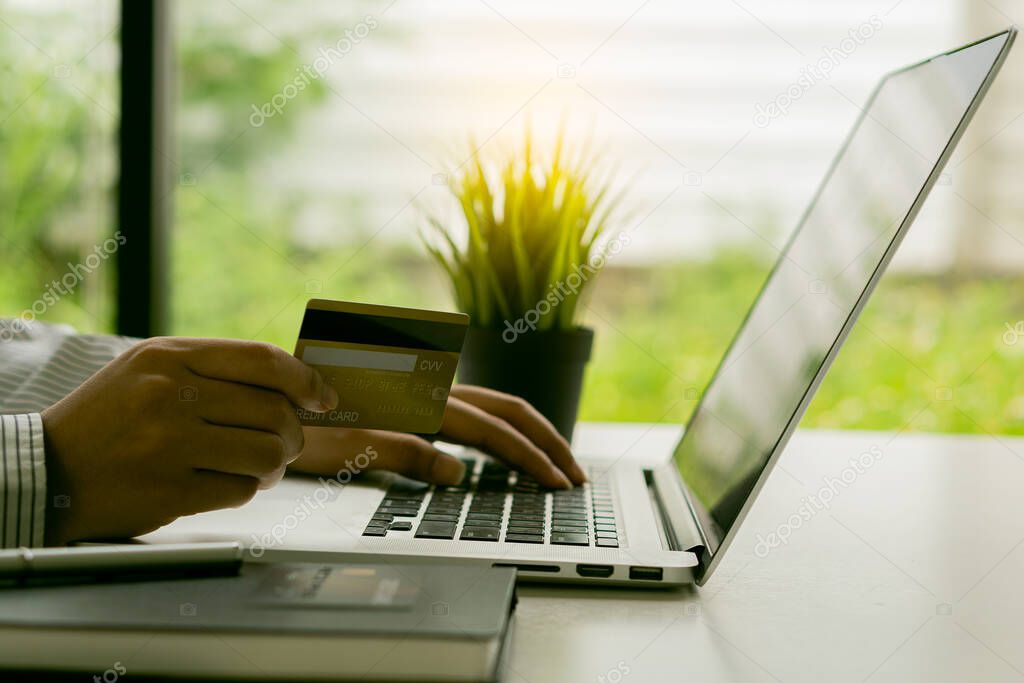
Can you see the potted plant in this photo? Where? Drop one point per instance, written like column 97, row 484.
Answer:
column 519, row 265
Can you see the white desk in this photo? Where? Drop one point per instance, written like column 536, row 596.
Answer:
column 912, row 575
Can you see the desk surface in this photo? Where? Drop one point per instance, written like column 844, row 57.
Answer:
column 911, row 574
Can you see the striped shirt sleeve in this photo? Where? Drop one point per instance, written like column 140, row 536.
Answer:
column 22, row 481
column 39, row 365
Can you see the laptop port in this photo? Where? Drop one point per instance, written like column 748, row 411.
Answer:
column 595, row 571
column 547, row 568
column 645, row 573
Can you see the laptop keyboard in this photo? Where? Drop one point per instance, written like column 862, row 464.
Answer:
column 494, row 503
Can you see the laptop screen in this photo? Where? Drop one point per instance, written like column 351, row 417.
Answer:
column 855, row 221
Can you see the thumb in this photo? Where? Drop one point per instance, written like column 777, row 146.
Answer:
column 416, row 458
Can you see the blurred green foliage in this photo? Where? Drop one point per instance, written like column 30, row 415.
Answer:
column 56, row 173
column 928, row 354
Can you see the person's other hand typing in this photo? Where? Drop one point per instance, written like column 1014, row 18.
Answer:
column 504, row 426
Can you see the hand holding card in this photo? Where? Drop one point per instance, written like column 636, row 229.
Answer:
column 392, row 367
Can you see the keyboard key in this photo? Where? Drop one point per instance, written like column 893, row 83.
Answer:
column 523, row 538
column 436, row 530
column 519, row 519
column 566, row 529
column 475, row 533
column 607, row 543
column 400, row 502
column 448, row 500
column 535, row 523
column 483, row 517
column 384, row 519
column 399, row 512
column 400, row 526
column 375, row 531
column 531, row 512
column 604, row 527
column 439, row 517
column 528, row 530
column 398, row 506
column 570, row 539
column 569, row 521
column 444, row 511
column 605, row 534
column 496, row 511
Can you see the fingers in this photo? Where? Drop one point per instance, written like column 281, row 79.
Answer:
column 327, row 450
column 236, row 405
column 263, row 365
column 247, row 452
column 473, row 426
column 214, row 490
column 525, row 418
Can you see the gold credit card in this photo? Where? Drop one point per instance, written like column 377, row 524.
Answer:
column 392, row 367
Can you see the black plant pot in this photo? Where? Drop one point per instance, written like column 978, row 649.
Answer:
column 545, row 368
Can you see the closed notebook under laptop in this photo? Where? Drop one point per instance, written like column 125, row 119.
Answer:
column 280, row 622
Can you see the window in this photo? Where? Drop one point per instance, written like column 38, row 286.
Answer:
column 58, row 164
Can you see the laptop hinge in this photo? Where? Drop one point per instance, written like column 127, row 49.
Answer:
column 680, row 528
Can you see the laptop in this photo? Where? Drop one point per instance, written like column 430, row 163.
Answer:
column 669, row 524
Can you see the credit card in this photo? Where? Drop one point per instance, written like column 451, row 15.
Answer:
column 392, row 367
